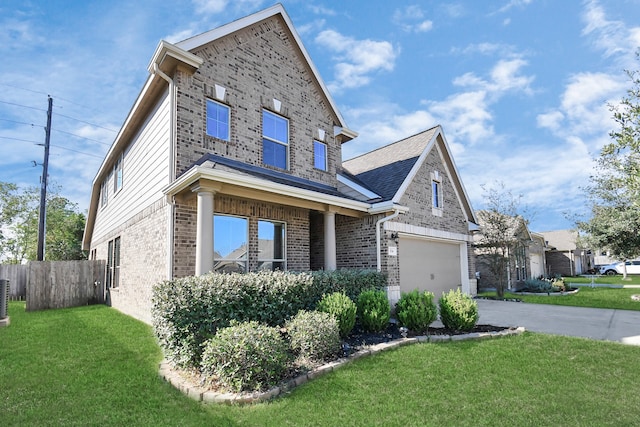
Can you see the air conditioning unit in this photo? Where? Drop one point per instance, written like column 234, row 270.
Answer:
column 4, row 298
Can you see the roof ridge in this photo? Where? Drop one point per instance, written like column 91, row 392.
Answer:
column 390, row 144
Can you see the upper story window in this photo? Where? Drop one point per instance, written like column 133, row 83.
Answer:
column 117, row 175
column 275, row 140
column 320, row 155
column 218, row 120
column 436, row 194
column 104, row 193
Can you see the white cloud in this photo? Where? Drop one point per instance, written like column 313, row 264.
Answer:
column 513, row 3
column 356, row 59
column 212, row 7
column 608, row 36
column 410, row 19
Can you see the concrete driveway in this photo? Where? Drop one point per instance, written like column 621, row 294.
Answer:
column 596, row 323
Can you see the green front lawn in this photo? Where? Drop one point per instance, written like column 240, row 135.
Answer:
column 95, row 366
column 597, row 297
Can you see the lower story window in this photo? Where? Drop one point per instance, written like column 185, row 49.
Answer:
column 230, row 236
column 113, row 263
column 271, row 245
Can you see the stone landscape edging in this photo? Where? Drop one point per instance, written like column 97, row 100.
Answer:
column 204, row 395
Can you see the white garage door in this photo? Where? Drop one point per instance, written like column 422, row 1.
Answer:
column 429, row 266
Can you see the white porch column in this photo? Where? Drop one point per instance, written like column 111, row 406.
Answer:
column 204, row 233
column 330, row 241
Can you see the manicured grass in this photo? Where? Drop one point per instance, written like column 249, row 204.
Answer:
column 632, row 279
column 95, row 366
column 597, row 297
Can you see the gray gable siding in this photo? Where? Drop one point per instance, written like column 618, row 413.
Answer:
column 256, row 65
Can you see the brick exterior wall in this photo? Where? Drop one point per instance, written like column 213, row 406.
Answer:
column 143, row 259
column 418, row 199
column 255, row 65
column 297, row 231
column 356, row 242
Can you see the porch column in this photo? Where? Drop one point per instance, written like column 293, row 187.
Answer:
column 330, row 241
column 204, row 233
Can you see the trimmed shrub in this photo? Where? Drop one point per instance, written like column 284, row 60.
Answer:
column 351, row 282
column 416, row 310
column 188, row 311
column 340, row 306
column 374, row 310
column 458, row 311
column 536, row 285
column 314, row 335
column 246, row 357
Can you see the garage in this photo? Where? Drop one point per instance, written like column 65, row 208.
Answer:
column 429, row 265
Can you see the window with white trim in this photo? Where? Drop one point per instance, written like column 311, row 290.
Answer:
column 113, row 263
column 117, row 174
column 320, row 155
column 230, row 248
column 104, row 193
column 272, row 245
column 275, row 140
column 218, row 118
column 436, row 194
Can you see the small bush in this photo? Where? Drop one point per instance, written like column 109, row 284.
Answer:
column 458, row 311
column 416, row 310
column 374, row 310
column 340, row 306
column 314, row 335
column 246, row 356
column 349, row 281
column 537, row 285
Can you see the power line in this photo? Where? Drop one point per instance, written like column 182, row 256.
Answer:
column 76, row 151
column 58, row 114
column 18, row 139
column 82, row 137
column 20, row 105
column 88, row 123
column 20, row 123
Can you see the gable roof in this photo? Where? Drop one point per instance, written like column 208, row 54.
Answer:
column 562, row 240
column 200, row 40
column 390, row 169
column 165, row 59
column 515, row 224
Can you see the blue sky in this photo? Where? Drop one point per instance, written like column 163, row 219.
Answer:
column 520, row 86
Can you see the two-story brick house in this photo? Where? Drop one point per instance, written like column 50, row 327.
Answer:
column 230, row 160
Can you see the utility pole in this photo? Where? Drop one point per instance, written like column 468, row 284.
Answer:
column 42, row 221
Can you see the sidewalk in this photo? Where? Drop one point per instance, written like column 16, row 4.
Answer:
column 596, row 323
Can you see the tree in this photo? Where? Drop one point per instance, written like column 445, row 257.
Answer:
column 500, row 233
column 19, row 210
column 614, row 193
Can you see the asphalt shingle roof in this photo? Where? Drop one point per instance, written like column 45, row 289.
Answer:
column 385, row 169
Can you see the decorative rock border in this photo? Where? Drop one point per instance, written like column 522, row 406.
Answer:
column 204, row 395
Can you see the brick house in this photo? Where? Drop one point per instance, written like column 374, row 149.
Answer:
column 526, row 257
column 230, row 160
column 567, row 255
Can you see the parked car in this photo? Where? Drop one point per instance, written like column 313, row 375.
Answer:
column 633, row 267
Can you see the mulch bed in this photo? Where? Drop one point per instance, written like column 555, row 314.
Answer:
column 360, row 339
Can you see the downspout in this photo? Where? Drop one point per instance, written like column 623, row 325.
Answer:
column 395, row 213
column 172, row 172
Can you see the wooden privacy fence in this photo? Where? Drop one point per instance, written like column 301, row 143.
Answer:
column 59, row 284
column 16, row 274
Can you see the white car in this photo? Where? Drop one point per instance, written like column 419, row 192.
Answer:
column 633, row 267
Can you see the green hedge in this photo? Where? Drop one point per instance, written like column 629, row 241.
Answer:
column 188, row 311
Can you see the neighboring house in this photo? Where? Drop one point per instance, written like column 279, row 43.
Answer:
column 230, row 160
column 566, row 256
column 525, row 256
